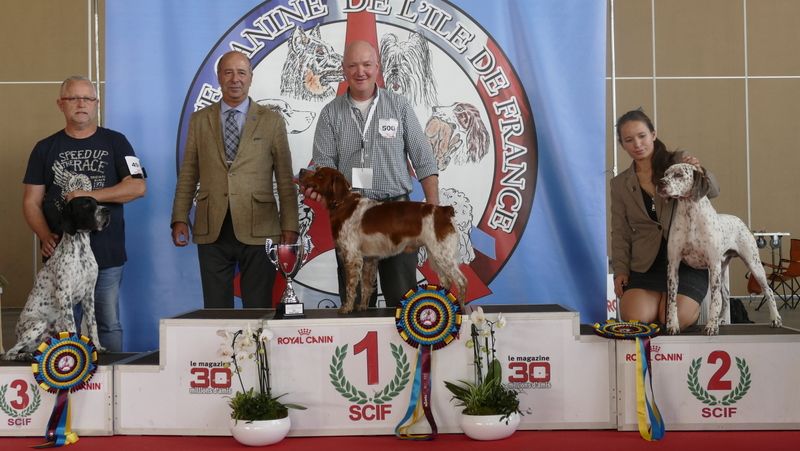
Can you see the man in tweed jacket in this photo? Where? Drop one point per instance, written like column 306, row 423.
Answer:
column 236, row 209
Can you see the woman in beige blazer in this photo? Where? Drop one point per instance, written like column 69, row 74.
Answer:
column 640, row 222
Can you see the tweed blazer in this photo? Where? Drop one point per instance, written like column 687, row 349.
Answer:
column 246, row 187
column 635, row 237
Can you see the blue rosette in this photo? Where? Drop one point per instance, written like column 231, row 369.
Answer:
column 428, row 318
column 63, row 364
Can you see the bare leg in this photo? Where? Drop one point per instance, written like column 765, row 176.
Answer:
column 639, row 305
column 688, row 311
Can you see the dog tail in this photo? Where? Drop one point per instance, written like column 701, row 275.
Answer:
column 443, row 216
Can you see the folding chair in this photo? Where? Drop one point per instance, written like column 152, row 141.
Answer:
column 784, row 278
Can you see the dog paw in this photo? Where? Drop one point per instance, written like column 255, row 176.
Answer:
column 777, row 322
column 673, row 328
column 361, row 308
column 345, row 310
column 712, row 329
column 101, row 350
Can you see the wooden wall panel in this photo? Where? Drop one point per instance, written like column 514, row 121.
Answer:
column 43, row 43
column 699, row 38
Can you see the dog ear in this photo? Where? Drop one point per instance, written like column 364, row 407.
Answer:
column 340, row 187
column 700, row 187
column 67, row 214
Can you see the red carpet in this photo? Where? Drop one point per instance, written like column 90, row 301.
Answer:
column 520, row 441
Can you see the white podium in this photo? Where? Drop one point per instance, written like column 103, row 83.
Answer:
column 742, row 379
column 25, row 408
column 567, row 378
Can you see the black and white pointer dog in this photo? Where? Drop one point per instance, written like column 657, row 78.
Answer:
column 66, row 279
column 704, row 239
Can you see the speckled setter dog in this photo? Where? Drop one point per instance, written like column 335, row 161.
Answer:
column 367, row 230
column 704, row 239
column 66, row 279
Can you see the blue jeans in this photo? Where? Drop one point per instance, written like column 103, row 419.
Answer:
column 106, row 308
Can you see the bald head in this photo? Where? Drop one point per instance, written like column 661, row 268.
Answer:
column 361, row 67
column 231, row 56
column 362, row 48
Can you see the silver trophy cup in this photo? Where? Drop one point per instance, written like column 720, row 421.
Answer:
column 288, row 259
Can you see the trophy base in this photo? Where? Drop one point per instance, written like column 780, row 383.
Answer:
column 294, row 310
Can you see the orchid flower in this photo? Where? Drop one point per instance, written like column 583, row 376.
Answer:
column 226, row 334
column 246, row 339
column 241, row 356
column 266, row 335
column 501, row 321
column 478, row 318
column 225, row 350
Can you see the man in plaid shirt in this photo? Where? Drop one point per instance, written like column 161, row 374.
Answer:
column 369, row 134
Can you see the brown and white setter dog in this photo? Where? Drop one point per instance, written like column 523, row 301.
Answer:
column 704, row 239
column 367, row 230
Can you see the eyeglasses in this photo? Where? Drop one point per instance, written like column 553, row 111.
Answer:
column 78, row 99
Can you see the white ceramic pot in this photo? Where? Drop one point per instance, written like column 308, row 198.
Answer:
column 260, row 433
column 488, row 427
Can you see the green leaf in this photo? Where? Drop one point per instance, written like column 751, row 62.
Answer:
column 494, row 372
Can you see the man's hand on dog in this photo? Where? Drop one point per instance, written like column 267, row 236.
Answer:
column 309, row 193
column 49, row 243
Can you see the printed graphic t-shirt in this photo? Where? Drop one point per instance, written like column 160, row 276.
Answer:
column 64, row 164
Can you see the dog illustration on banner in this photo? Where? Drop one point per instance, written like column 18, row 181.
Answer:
column 457, row 134
column 296, row 121
column 407, row 68
column 463, row 222
column 311, row 67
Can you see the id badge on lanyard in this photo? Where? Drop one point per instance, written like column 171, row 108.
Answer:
column 362, row 177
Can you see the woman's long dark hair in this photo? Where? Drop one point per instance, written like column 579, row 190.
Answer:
column 661, row 158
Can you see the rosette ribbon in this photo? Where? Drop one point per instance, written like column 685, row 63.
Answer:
column 63, row 364
column 428, row 318
column 651, row 424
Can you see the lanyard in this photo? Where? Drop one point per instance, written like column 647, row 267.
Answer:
column 363, row 131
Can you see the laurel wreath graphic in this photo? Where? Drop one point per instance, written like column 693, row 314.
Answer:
column 384, row 395
column 707, row 398
column 23, row 413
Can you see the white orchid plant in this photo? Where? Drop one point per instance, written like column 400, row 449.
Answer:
column 486, row 395
column 248, row 405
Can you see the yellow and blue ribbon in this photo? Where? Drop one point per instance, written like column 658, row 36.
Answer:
column 428, row 319
column 63, row 364
column 651, row 424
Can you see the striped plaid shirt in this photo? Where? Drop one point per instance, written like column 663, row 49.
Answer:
column 337, row 144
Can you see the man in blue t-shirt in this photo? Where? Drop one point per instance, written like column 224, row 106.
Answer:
column 84, row 159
